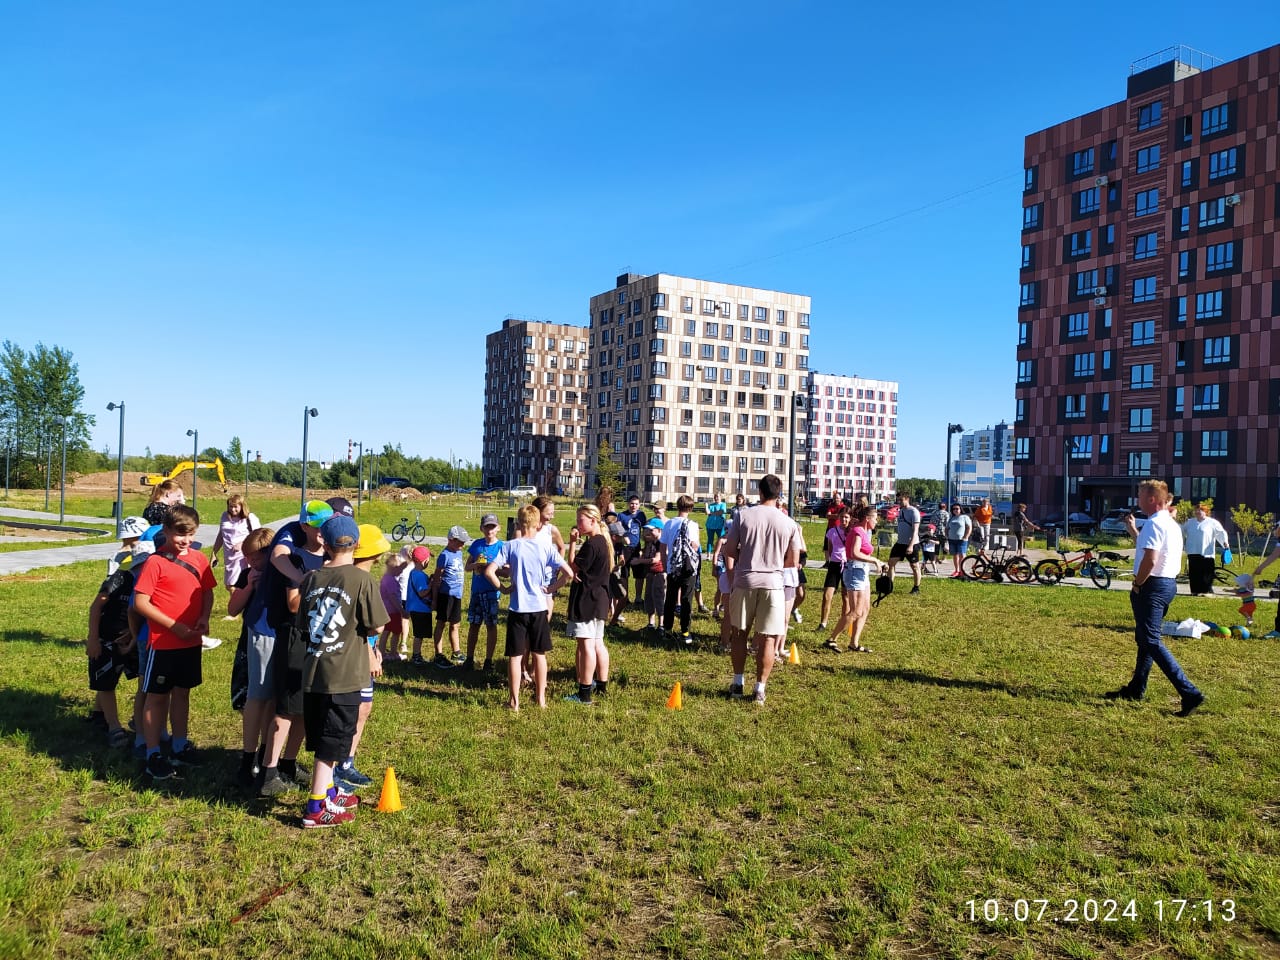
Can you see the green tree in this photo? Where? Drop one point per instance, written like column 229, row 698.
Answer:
column 608, row 473
column 920, row 488
column 1249, row 525
column 40, row 397
column 235, row 460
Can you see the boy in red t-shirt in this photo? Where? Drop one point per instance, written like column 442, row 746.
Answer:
column 174, row 593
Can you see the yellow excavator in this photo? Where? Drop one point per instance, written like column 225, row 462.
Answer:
column 155, row 479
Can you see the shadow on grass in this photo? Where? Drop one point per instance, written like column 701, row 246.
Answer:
column 1111, row 627
column 35, row 636
column 964, row 683
column 57, row 728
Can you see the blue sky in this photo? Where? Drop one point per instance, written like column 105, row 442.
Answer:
column 233, row 211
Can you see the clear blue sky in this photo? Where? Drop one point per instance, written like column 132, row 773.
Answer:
column 335, row 202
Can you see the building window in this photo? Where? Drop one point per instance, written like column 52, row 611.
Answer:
column 1140, row 464
column 1077, row 325
column 1213, row 212
column 1180, row 310
column 1030, row 175
column 1222, row 164
column 1140, row 419
column 1149, row 116
column 1082, row 365
column 1141, row 376
column 1209, row 305
column 1087, row 201
column 1188, row 173
column 1144, row 289
column 1076, row 406
column 1213, row 443
column 1026, row 371
column 686, row 304
column 1215, row 120
column 1179, row 445
column 1031, row 216
column 1219, row 256
column 1146, row 245
column 1186, row 264
column 802, row 319
column 1149, row 159
column 1086, row 283
column 1022, row 448
column 1028, row 256
column 1081, row 448
column 1023, row 329
column 1204, row 488
column 1206, row 398
column 1184, row 219
column 1217, row 350
column 1082, row 162
column 1144, row 333
column 1082, row 243
column 1146, row 202
column 1179, row 397
column 1185, row 131
column 1020, row 410
column 1029, row 294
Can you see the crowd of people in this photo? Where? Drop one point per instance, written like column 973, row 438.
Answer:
column 317, row 629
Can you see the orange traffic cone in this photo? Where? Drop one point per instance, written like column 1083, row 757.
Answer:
column 794, row 656
column 675, row 701
column 389, row 802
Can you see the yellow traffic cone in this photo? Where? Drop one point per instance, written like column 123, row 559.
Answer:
column 675, row 701
column 389, row 802
column 794, row 656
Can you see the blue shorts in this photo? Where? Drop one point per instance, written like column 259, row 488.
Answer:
column 483, row 608
column 959, row 547
column 856, row 576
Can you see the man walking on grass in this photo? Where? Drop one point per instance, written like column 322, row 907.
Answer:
column 759, row 544
column 908, row 546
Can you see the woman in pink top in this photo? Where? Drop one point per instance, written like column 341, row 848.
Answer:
column 834, row 549
column 859, row 564
column 235, row 525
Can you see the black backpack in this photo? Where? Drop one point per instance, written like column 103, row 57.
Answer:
column 884, row 587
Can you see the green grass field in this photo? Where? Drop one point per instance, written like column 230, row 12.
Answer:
column 969, row 758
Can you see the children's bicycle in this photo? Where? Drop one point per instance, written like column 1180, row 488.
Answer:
column 1050, row 572
column 417, row 533
column 997, row 566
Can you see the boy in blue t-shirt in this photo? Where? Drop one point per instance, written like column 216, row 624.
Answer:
column 484, row 596
column 450, row 566
column 417, row 602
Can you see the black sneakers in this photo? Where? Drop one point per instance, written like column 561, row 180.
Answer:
column 159, row 768
column 1189, row 704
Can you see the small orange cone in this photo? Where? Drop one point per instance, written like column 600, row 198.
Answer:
column 389, row 802
column 675, row 701
column 793, row 657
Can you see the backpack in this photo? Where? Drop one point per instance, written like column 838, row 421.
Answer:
column 686, row 558
column 884, row 587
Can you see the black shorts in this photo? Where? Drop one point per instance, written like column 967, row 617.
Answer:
column 104, row 672
column 900, row 552
column 289, row 661
column 421, row 620
column 527, row 633
column 330, row 720
column 163, row 670
column 834, row 576
column 448, row 609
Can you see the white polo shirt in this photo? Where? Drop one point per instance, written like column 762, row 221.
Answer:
column 1162, row 535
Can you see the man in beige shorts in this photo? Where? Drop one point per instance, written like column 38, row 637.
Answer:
column 756, row 548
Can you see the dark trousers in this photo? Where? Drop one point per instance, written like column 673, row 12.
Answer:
column 1200, row 573
column 1150, row 603
column 679, row 593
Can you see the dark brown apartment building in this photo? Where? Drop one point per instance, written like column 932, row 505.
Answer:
column 1150, row 291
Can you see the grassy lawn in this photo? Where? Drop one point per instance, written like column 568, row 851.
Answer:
column 857, row 813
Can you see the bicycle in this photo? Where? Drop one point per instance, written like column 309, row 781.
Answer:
column 997, row 566
column 1050, row 572
column 417, row 533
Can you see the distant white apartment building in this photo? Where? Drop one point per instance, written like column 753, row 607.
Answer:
column 853, row 437
column 535, row 406
column 694, row 384
column 984, row 467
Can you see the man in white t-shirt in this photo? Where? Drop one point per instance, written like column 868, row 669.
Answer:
column 1203, row 536
column 1157, row 560
column 908, row 546
column 758, row 545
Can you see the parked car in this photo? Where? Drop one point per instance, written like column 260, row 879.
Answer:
column 1079, row 523
column 1113, row 522
column 526, row 490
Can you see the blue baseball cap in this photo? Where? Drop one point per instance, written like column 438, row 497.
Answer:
column 340, row 533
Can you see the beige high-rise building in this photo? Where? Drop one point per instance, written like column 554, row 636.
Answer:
column 535, row 403
column 695, row 384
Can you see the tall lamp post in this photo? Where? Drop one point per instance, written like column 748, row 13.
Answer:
column 119, row 467
column 244, row 461
column 62, row 485
column 195, row 462
column 952, row 430
column 359, row 475
column 307, row 414
column 48, row 467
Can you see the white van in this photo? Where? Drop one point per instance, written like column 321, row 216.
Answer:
column 525, row 491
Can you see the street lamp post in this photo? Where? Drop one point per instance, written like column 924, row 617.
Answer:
column 797, row 403
column 359, row 475
column 307, row 414
column 48, row 468
column 244, row 460
column 62, row 485
column 119, row 468
column 952, row 430
column 195, row 462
